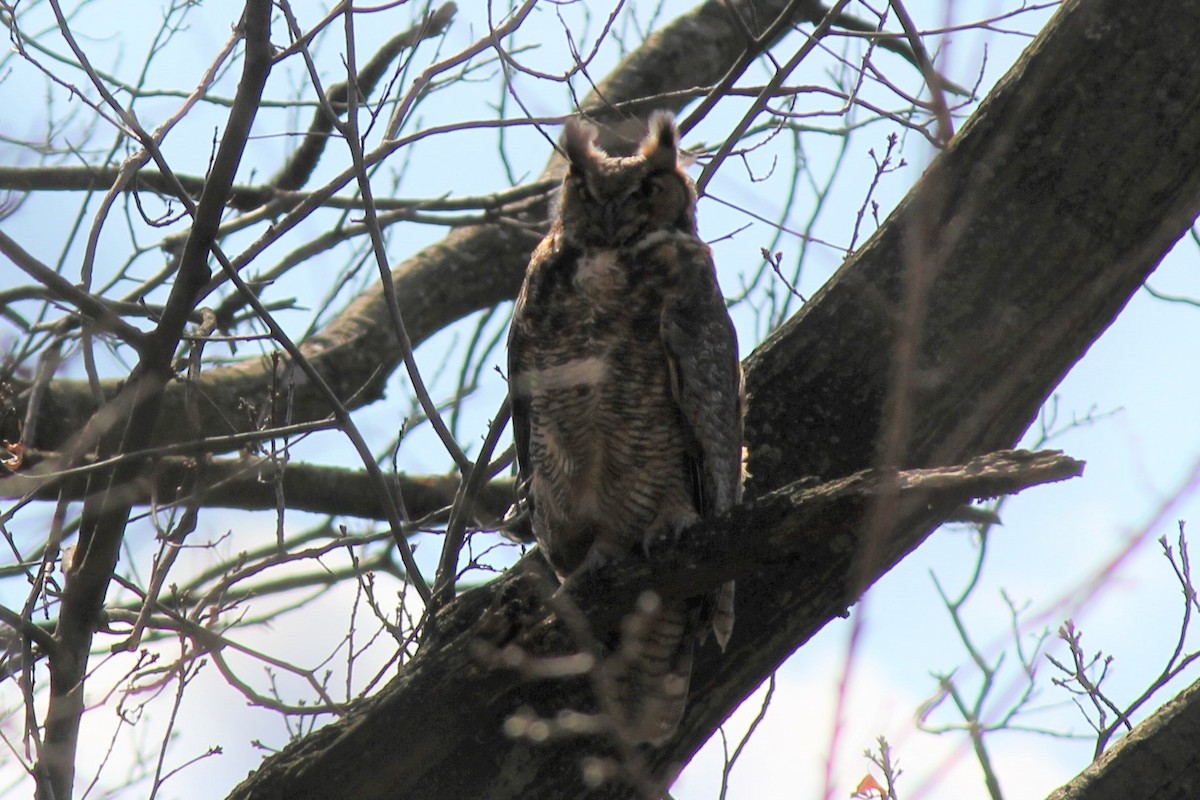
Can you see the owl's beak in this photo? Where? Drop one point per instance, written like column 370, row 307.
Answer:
column 610, row 219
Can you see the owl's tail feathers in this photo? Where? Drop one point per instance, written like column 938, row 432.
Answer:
column 722, row 614
column 654, row 668
column 517, row 525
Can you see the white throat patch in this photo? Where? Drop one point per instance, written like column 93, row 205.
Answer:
column 599, row 273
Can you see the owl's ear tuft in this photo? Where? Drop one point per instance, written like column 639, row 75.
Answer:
column 662, row 141
column 578, row 139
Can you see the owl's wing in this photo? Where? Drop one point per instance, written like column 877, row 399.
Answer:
column 707, row 380
column 706, row 377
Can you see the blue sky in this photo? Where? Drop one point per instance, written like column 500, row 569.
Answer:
column 1139, row 379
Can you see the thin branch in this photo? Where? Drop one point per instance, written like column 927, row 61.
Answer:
column 760, row 102
column 98, row 311
column 299, row 168
column 932, row 79
column 21, row 624
column 464, row 510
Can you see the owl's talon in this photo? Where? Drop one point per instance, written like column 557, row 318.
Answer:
column 651, row 543
column 595, row 560
column 667, row 538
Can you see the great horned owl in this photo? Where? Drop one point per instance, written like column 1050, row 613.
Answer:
column 626, row 394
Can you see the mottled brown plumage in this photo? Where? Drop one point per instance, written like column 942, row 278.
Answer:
column 626, row 396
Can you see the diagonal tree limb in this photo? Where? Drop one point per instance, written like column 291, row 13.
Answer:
column 1047, row 212
column 802, row 525
column 1157, row 759
column 98, row 312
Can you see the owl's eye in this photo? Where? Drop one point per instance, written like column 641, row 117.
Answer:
column 650, row 188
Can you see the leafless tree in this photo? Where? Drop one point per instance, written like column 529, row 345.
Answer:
column 232, row 251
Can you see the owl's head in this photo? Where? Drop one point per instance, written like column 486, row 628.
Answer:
column 610, row 202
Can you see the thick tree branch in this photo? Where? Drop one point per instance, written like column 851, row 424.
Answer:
column 250, row 483
column 1157, row 759
column 809, row 527
column 242, row 197
column 493, row 642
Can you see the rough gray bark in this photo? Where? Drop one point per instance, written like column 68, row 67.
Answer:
column 1157, row 759
column 937, row 341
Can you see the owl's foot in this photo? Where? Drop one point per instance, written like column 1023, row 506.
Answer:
column 596, row 558
column 666, row 535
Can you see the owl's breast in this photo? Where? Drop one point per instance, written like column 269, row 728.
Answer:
column 608, row 452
